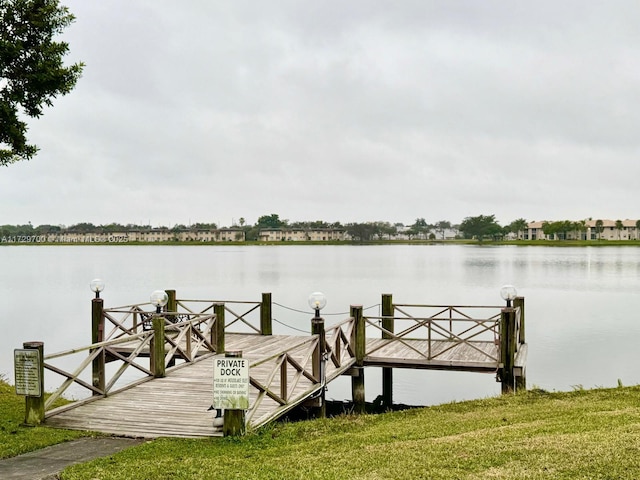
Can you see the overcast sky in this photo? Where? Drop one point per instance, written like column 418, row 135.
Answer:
column 208, row 111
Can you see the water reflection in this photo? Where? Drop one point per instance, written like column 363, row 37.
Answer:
column 581, row 302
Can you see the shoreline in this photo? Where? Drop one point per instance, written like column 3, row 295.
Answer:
column 516, row 243
column 337, row 408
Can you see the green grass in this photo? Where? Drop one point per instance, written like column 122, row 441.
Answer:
column 590, row 434
column 580, row 434
column 16, row 438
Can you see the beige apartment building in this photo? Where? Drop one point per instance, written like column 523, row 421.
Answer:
column 609, row 231
column 152, row 235
column 301, row 235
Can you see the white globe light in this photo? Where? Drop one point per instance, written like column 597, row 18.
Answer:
column 317, row 300
column 96, row 285
column 508, row 292
column 159, row 298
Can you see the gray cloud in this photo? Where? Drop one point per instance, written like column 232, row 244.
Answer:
column 349, row 111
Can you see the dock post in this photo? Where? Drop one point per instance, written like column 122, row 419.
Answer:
column 157, row 347
column 233, row 418
column 358, row 340
column 34, row 404
column 97, row 336
column 507, row 348
column 521, row 380
column 172, row 306
column 217, row 333
column 172, row 303
column 387, row 332
column 265, row 314
column 319, row 364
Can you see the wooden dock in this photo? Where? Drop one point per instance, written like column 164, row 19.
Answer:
column 178, row 405
column 174, row 395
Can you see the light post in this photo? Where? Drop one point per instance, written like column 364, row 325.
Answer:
column 508, row 335
column 508, row 293
column 317, row 301
column 97, row 335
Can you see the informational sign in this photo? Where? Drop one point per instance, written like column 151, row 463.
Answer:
column 27, row 368
column 231, row 383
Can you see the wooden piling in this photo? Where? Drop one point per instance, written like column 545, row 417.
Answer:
column 387, row 332
column 157, row 347
column 265, row 314
column 97, row 335
column 507, row 349
column 234, row 423
column 172, row 306
column 34, row 404
column 172, row 303
column 359, row 341
column 217, row 333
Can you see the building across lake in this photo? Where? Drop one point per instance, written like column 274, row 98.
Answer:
column 165, row 235
column 126, row 236
column 566, row 230
column 302, row 234
column 586, row 230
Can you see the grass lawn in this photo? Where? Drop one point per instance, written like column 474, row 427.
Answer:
column 590, row 434
column 581, row 434
column 15, row 438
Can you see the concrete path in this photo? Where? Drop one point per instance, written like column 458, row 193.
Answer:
column 48, row 462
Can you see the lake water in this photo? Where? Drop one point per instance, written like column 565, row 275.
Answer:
column 582, row 304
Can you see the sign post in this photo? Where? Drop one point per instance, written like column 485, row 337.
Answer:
column 231, row 391
column 29, row 380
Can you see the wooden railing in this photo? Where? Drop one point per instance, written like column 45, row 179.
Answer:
column 133, row 319
column 95, row 351
column 188, row 338
column 187, row 341
column 301, row 372
column 456, row 325
column 129, row 319
column 240, row 316
column 287, row 376
column 340, row 347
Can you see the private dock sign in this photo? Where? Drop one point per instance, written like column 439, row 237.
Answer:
column 231, row 383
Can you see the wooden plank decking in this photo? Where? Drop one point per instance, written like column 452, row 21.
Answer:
column 177, row 405
column 174, row 406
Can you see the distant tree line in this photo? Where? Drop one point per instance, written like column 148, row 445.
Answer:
column 562, row 229
column 485, row 227
column 481, row 227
